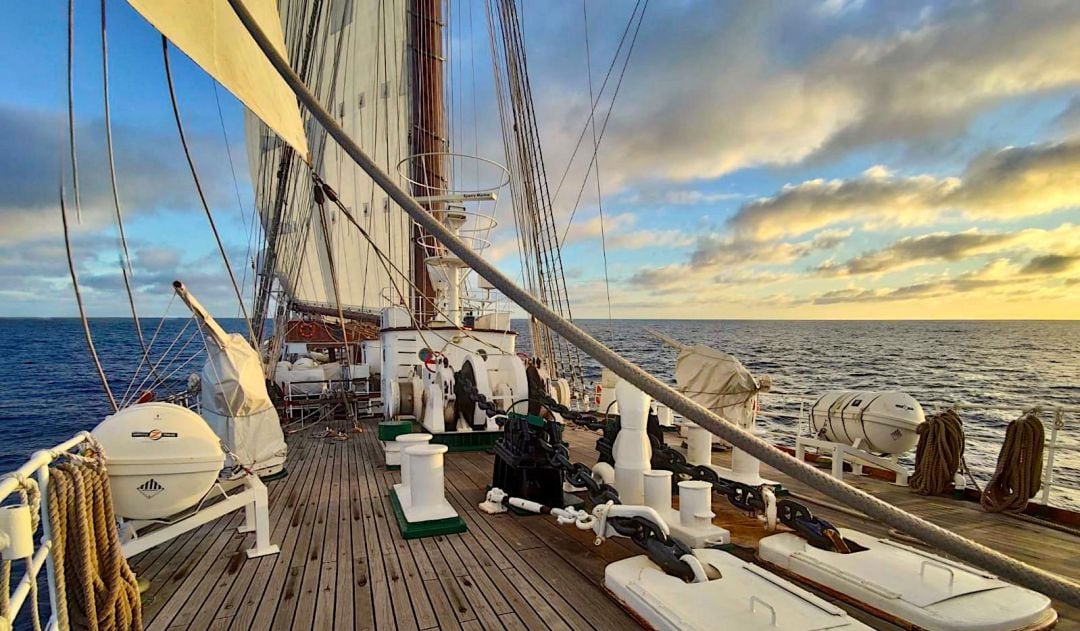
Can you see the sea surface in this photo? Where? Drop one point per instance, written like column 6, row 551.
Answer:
column 49, row 388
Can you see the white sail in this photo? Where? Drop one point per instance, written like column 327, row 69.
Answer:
column 211, row 34
column 353, row 54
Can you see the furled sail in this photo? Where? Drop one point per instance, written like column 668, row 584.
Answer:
column 353, row 54
column 209, row 32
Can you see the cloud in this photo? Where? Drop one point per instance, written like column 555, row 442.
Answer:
column 714, row 250
column 1051, row 264
column 1011, row 182
column 1000, row 276
column 151, row 173
column 716, row 87
column 951, row 247
column 915, row 250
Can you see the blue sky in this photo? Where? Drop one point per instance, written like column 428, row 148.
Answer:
column 833, row 159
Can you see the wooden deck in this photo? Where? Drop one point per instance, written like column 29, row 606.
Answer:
column 344, row 565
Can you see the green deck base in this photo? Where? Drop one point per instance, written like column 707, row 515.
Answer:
column 417, row 530
column 389, row 430
column 393, row 467
column 467, row 441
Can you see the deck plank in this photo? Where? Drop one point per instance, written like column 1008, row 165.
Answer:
column 344, row 563
column 246, row 595
column 239, row 567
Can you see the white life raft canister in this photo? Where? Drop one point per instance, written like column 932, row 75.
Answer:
column 161, row 458
column 887, row 422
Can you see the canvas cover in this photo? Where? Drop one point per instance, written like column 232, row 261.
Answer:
column 237, row 406
column 717, row 381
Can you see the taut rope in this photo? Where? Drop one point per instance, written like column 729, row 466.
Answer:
column 1018, row 475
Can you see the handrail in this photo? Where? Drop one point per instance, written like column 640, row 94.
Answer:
column 37, row 465
column 1050, row 415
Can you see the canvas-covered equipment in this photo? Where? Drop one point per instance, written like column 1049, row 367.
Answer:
column 719, row 382
column 238, row 408
column 234, row 399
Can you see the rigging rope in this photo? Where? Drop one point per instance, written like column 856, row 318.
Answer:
column 596, row 170
column 939, row 454
column 126, row 269
column 71, row 105
column 199, row 190
column 607, row 119
column 965, row 549
column 79, row 301
column 594, row 104
column 95, row 586
column 1018, row 475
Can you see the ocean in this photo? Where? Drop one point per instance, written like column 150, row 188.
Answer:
column 49, row 388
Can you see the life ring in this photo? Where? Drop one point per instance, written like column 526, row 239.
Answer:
column 429, row 358
column 306, row 330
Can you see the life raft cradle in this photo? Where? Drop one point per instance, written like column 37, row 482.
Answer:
column 897, row 582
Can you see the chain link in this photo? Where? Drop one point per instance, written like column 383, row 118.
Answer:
column 818, row 532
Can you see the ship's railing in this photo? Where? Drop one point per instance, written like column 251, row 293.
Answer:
column 1053, row 417
column 15, row 528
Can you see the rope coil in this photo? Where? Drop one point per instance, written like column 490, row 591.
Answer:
column 95, row 587
column 1018, row 476
column 939, row 453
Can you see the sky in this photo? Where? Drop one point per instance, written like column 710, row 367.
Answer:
column 822, row 160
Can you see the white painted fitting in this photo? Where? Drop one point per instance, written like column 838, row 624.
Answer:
column 631, row 451
column 426, row 479
column 698, row 444
column 747, row 467
column 695, row 505
column 15, row 524
column 658, row 490
column 403, row 442
column 665, row 415
column 392, row 453
column 603, row 472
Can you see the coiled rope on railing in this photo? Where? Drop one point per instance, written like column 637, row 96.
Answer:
column 1018, row 476
column 95, row 587
column 939, row 453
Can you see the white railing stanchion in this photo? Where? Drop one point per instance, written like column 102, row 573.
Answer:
column 1048, row 478
column 46, row 540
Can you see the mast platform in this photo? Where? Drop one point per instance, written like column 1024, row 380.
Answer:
column 344, row 564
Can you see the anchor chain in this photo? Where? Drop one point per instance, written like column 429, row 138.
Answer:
column 817, row 531
column 664, row 551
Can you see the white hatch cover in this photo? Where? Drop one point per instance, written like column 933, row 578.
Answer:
column 910, row 584
column 745, row 598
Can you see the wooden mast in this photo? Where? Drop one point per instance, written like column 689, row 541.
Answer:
column 428, row 140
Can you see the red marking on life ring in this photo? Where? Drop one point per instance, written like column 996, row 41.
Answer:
column 307, row 330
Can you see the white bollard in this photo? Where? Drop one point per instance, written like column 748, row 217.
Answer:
column 426, row 479
column 664, row 415
column 698, row 444
column 695, row 503
column 658, row 490
column 403, row 442
column 631, row 451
